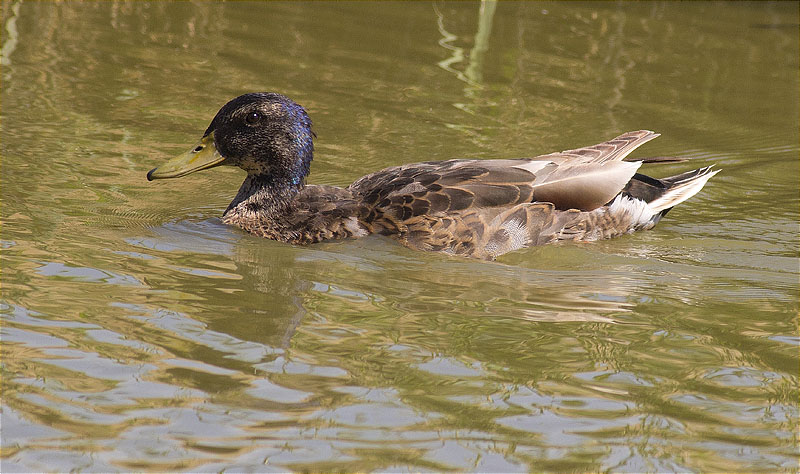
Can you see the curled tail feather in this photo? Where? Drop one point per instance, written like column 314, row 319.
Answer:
column 680, row 188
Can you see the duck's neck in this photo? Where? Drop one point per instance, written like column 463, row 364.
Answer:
column 262, row 196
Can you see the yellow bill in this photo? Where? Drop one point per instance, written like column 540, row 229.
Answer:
column 202, row 156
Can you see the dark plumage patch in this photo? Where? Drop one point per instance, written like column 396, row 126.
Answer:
column 645, row 188
column 459, row 198
column 427, row 179
column 440, row 202
column 461, row 176
column 420, row 206
column 492, row 195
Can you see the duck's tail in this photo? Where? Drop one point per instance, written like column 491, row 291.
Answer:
column 645, row 200
column 679, row 188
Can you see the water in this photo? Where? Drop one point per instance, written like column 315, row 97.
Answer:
column 140, row 333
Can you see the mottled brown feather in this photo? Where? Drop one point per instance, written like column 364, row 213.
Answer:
column 475, row 208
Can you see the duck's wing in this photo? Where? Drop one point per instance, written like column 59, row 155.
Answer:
column 584, row 178
column 615, row 149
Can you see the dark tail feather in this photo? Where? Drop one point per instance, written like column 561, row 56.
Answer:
column 658, row 159
column 680, row 188
column 686, row 177
column 662, row 194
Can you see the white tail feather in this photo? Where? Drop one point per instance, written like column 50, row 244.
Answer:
column 682, row 191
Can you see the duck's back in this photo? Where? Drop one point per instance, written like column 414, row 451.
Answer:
column 485, row 208
column 466, row 207
column 584, row 178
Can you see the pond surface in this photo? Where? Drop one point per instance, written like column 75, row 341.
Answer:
column 140, row 333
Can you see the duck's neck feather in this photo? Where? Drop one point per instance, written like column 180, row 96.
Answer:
column 263, row 196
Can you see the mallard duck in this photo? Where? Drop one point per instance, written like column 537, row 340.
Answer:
column 473, row 208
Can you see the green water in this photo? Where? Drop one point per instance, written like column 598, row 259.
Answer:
column 140, row 333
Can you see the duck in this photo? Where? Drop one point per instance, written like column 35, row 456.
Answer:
column 478, row 208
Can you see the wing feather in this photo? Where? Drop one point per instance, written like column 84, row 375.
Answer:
column 615, row 149
column 585, row 186
column 584, row 178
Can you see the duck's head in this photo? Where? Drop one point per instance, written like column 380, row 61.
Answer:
column 264, row 133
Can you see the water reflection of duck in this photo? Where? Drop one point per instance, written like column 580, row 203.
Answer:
column 475, row 208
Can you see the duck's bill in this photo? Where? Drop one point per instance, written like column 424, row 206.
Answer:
column 202, row 156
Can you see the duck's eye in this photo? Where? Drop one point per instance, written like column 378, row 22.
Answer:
column 198, row 148
column 252, row 118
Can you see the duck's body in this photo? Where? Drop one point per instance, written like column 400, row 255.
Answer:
column 475, row 208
